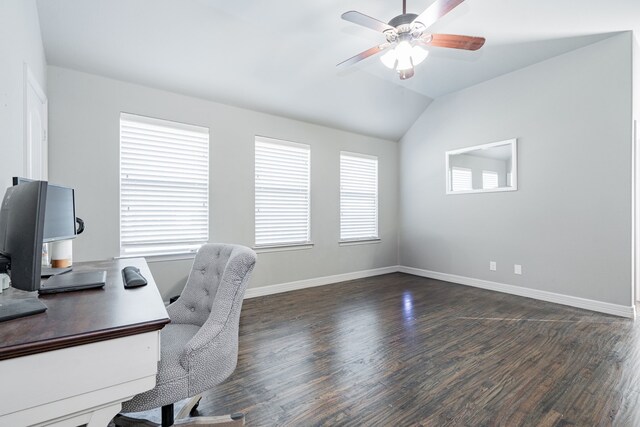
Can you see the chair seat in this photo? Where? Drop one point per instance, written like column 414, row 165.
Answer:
column 172, row 380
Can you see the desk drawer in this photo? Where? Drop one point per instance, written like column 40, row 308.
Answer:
column 48, row 385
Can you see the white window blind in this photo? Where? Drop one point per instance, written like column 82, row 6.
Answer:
column 460, row 179
column 489, row 179
column 358, row 196
column 164, row 186
column 282, row 192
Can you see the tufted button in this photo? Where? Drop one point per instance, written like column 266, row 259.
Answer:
column 192, row 309
column 206, row 291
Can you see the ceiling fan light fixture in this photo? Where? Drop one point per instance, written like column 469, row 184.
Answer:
column 403, row 56
column 418, row 54
column 389, row 59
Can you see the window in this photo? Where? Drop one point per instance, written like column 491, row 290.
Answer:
column 282, row 193
column 489, row 179
column 460, row 179
column 164, row 186
column 358, row 197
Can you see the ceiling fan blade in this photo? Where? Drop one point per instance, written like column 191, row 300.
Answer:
column 453, row 41
column 436, row 11
column 366, row 21
column 363, row 55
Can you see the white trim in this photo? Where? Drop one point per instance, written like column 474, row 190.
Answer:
column 282, row 248
column 635, row 239
column 318, row 281
column 361, row 155
column 353, row 242
column 269, row 140
column 154, row 121
column 588, row 304
column 30, row 81
column 176, row 256
column 482, row 146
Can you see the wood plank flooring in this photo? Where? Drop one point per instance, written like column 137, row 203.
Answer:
column 398, row 350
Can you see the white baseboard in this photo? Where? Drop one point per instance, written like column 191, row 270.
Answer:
column 588, row 304
column 317, row 281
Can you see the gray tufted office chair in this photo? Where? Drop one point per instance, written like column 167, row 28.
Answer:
column 199, row 348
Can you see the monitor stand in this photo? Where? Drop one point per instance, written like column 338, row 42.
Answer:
column 20, row 307
column 12, row 307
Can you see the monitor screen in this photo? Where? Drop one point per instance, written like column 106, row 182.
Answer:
column 60, row 216
column 21, row 231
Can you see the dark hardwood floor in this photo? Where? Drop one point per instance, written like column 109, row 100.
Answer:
column 398, row 350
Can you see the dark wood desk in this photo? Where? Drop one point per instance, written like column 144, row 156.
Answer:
column 85, row 344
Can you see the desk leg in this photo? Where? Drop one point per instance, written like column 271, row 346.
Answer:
column 102, row 416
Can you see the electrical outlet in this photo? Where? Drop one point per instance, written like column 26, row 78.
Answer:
column 492, row 266
column 517, row 269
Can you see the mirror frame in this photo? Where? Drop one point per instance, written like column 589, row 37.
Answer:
column 514, row 167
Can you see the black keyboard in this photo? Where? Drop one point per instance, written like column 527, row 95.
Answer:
column 13, row 309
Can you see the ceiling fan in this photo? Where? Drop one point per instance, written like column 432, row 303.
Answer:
column 406, row 36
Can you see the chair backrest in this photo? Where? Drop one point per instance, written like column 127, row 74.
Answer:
column 214, row 265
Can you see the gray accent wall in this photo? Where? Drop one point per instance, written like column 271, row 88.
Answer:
column 20, row 44
column 570, row 223
column 84, row 111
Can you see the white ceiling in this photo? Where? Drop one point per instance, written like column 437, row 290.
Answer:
column 279, row 56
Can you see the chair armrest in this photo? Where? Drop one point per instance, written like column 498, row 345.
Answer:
column 173, row 310
column 210, row 358
column 223, row 324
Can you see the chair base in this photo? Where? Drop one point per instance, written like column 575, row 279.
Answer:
column 181, row 413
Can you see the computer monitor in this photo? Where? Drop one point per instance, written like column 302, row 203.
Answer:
column 60, row 215
column 22, row 216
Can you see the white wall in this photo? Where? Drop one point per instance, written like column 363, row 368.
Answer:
column 20, row 44
column 84, row 114
column 569, row 223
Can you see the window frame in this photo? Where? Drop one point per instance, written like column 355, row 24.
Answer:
column 168, row 254
column 291, row 245
column 363, row 239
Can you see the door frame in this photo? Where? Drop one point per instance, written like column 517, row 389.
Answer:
column 30, row 82
column 635, row 214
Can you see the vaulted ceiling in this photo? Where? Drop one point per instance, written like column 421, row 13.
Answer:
column 279, row 56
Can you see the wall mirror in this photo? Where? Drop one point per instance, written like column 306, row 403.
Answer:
column 482, row 168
